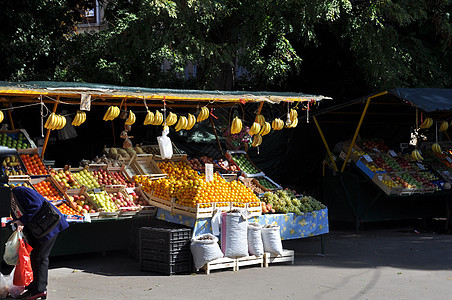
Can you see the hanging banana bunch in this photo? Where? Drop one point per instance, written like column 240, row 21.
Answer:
column 181, row 124
column 260, row 119
column 444, row 126
column 79, row 119
column 236, row 125
column 55, row 122
column 112, row 113
column 203, row 114
column 191, row 121
column 158, row 118
column 293, row 119
column 436, row 148
column 257, row 140
column 171, row 119
column 149, row 118
column 255, row 129
column 427, row 123
column 131, row 118
column 416, row 155
column 277, row 124
column 265, row 129
column 2, row 116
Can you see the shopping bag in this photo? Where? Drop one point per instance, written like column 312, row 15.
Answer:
column 12, row 248
column 23, row 275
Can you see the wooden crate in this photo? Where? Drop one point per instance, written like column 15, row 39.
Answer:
column 254, row 209
column 131, row 169
column 378, row 180
column 249, row 260
column 58, row 187
column 230, row 156
column 15, row 132
column 287, row 256
column 123, row 211
column 30, row 151
column 158, row 202
column 221, row 207
column 146, row 165
column 220, row 263
column 197, row 212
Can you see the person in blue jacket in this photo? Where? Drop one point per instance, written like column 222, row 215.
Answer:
column 25, row 203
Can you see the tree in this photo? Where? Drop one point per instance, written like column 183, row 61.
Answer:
column 32, row 34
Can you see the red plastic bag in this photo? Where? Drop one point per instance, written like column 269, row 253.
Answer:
column 23, row 275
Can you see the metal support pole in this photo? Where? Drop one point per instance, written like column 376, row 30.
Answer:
column 46, row 140
column 325, row 143
column 359, row 127
column 11, row 117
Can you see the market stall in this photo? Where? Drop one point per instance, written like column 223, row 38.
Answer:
column 397, row 164
column 113, row 196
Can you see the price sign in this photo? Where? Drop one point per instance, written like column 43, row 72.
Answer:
column 376, row 150
column 130, row 190
column 380, row 177
column 97, row 191
column 420, row 166
column 448, row 159
column 209, row 172
column 392, row 152
column 85, row 102
column 342, row 155
column 368, row 158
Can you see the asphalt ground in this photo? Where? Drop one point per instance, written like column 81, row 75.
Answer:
column 393, row 261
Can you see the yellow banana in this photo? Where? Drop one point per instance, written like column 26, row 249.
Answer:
column 255, row 128
column 265, row 129
column 149, row 118
column 444, row 126
column 76, row 120
column 158, row 118
column 260, row 119
column 182, row 123
column 203, row 114
column 108, row 113
column 236, row 126
column 131, row 118
column 257, row 140
column 191, row 121
column 2, row 116
column 171, row 119
column 293, row 115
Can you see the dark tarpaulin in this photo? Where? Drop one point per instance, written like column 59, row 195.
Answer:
column 426, row 99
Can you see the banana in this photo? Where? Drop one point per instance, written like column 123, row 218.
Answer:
column 236, row 126
column 416, row 155
column 293, row 115
column 191, row 122
column 171, row 119
column 83, row 118
column 76, row 119
column 293, row 123
column 131, row 118
column 444, row 126
column 255, row 128
column 108, row 113
column 257, row 140
column 265, row 129
column 436, row 148
column 427, row 123
column 63, row 122
column 46, row 125
column 260, row 119
column 2, row 116
column 149, row 118
column 182, row 123
column 158, row 118
column 203, row 114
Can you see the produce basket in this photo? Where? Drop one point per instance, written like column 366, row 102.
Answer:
column 12, row 165
column 120, row 174
column 242, row 160
column 53, row 192
column 64, row 178
column 266, row 183
column 120, row 195
column 29, row 157
column 387, row 185
column 78, row 197
column 22, row 180
column 7, row 138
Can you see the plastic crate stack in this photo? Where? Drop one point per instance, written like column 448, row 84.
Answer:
column 165, row 250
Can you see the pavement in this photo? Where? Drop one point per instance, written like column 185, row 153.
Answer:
column 389, row 262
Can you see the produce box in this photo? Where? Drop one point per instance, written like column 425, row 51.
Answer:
column 121, row 177
column 146, row 165
column 242, row 160
column 356, row 153
column 267, row 184
column 16, row 139
column 124, row 202
column 63, row 177
column 131, row 169
column 407, row 182
column 158, row 202
column 155, row 150
column 368, row 167
column 20, row 180
column 103, row 201
column 47, row 188
column 79, row 198
column 387, row 185
column 32, row 162
column 12, row 165
column 85, row 177
column 202, row 210
column 254, row 185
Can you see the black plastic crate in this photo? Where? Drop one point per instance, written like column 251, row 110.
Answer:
column 165, row 267
column 169, row 234
column 164, row 256
column 164, row 245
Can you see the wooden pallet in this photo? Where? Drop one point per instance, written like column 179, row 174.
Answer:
column 287, row 256
column 250, row 260
column 220, row 263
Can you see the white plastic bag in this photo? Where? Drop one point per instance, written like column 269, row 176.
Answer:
column 4, row 287
column 204, row 249
column 271, row 237
column 12, row 248
column 234, row 242
column 165, row 146
column 255, row 244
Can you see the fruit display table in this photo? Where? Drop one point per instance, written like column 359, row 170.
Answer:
column 292, row 226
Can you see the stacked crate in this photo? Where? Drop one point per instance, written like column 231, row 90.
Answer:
column 165, row 250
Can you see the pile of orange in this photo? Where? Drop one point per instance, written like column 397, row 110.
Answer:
column 190, row 188
column 34, row 164
column 66, row 210
column 46, row 189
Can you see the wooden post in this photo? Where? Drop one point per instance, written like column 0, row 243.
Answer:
column 11, row 117
column 215, row 132
column 46, row 140
column 260, row 108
